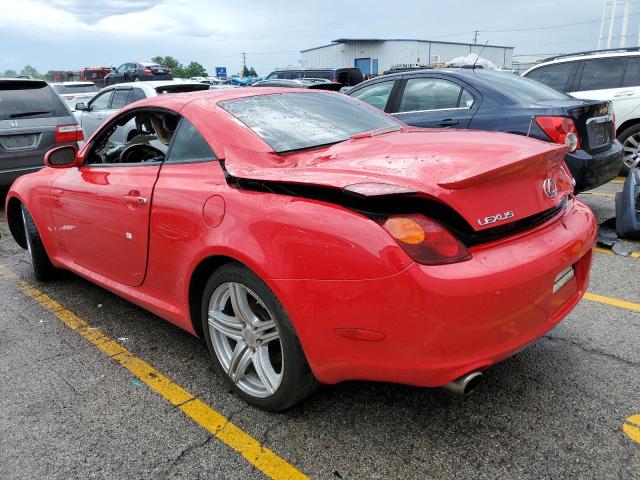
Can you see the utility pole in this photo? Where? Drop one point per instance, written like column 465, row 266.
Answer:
column 604, row 17
column 614, row 4
column 244, row 63
column 475, row 36
column 625, row 24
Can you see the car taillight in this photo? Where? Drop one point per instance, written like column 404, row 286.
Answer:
column 560, row 130
column 424, row 240
column 69, row 133
column 147, row 70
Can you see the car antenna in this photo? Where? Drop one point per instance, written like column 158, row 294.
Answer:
column 530, row 125
column 473, row 67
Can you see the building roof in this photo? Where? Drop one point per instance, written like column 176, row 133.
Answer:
column 352, row 40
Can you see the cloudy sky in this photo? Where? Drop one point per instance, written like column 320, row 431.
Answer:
column 68, row 34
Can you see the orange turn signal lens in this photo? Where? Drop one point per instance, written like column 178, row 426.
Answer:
column 405, row 230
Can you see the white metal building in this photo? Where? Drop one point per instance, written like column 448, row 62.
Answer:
column 373, row 56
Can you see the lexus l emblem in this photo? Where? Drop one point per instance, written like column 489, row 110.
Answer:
column 13, row 123
column 550, row 188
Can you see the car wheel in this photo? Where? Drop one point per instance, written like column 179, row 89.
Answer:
column 630, row 140
column 43, row 269
column 252, row 341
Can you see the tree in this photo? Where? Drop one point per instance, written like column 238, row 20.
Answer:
column 245, row 71
column 10, row 73
column 194, row 69
column 176, row 67
column 31, row 71
column 252, row 72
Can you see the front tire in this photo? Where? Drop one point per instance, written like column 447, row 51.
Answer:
column 252, row 341
column 43, row 269
column 630, row 140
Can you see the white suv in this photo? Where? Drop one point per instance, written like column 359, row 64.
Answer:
column 612, row 75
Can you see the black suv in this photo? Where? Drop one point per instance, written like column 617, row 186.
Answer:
column 33, row 118
column 348, row 77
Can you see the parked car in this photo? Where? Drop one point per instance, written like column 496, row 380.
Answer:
column 309, row 237
column 138, row 71
column 346, row 76
column 95, row 75
column 111, row 99
column 75, row 92
column 608, row 75
column 33, row 118
column 313, row 83
column 489, row 100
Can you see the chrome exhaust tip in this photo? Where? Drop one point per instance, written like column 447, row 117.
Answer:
column 466, row 384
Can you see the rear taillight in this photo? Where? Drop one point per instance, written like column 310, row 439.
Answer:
column 560, row 130
column 425, row 241
column 147, row 70
column 69, row 133
column 613, row 124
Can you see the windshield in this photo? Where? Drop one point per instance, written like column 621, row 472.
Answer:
column 29, row 100
column 86, row 88
column 521, row 87
column 293, row 121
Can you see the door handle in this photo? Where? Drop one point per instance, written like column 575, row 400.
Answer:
column 100, row 116
column 623, row 94
column 449, row 122
column 135, row 200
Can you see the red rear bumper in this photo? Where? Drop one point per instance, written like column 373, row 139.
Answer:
column 442, row 322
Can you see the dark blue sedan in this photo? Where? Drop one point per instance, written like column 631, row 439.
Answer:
column 500, row 101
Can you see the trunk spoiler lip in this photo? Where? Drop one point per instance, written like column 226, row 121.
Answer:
column 476, row 176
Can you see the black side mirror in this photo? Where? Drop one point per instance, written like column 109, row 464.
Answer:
column 61, row 157
column 113, row 69
column 81, row 106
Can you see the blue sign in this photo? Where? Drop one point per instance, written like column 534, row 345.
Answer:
column 221, row 72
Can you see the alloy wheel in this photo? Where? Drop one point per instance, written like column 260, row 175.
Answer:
column 631, row 150
column 245, row 339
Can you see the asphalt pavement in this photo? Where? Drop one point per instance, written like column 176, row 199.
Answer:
column 68, row 410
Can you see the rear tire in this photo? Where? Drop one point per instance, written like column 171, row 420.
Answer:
column 252, row 341
column 630, row 140
column 43, row 269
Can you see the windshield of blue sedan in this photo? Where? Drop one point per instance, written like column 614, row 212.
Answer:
column 295, row 121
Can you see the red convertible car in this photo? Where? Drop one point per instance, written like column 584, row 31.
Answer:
column 310, row 238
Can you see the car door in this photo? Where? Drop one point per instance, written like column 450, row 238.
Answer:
column 434, row 102
column 98, row 109
column 101, row 209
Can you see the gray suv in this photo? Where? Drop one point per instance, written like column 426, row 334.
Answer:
column 33, row 118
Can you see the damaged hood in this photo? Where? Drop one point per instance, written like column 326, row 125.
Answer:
column 479, row 174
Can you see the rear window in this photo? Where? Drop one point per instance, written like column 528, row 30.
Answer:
column 294, row 121
column 178, row 88
column 29, row 100
column 326, row 74
column 62, row 89
column 523, row 88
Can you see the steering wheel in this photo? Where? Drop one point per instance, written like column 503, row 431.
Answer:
column 137, row 153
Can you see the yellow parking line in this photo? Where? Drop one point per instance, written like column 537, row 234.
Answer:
column 632, row 427
column 599, row 194
column 606, row 250
column 219, row 426
column 618, row 180
column 634, row 307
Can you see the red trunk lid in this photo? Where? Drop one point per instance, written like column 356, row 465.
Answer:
column 489, row 178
